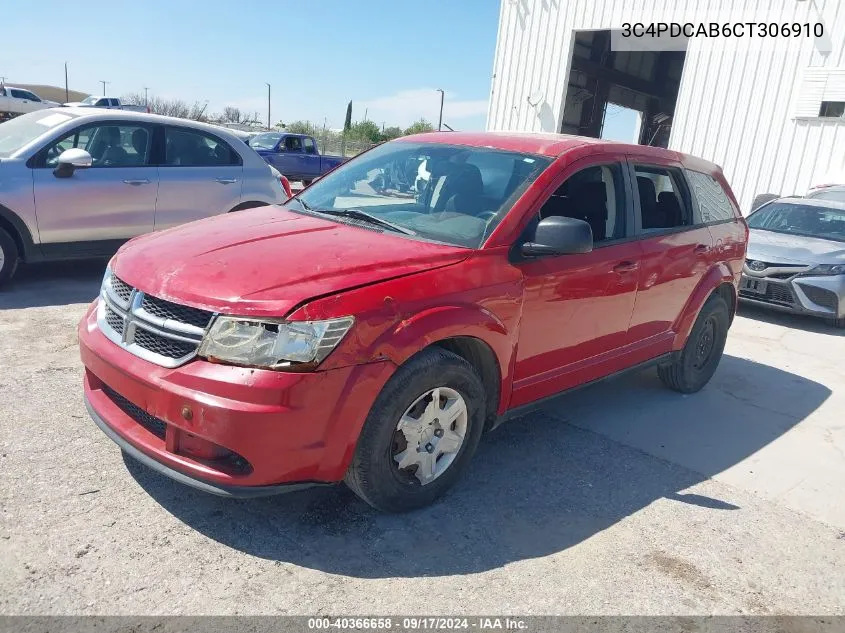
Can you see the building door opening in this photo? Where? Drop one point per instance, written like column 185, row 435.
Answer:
column 621, row 124
column 610, row 92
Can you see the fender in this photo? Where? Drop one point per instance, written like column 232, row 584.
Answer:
column 29, row 251
column 719, row 274
column 414, row 334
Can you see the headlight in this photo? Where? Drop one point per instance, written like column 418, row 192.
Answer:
column 827, row 269
column 272, row 344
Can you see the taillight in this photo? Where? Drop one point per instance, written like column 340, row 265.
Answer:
column 286, row 186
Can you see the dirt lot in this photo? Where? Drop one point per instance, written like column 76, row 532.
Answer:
column 622, row 498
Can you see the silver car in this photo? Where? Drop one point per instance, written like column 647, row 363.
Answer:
column 796, row 258
column 78, row 182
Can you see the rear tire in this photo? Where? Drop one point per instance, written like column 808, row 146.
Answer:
column 8, row 257
column 375, row 474
column 698, row 361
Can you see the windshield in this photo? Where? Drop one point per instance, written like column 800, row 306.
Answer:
column 798, row 219
column 445, row 193
column 90, row 100
column 265, row 141
column 837, row 194
column 22, row 130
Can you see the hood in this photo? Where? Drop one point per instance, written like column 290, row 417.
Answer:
column 267, row 261
column 780, row 248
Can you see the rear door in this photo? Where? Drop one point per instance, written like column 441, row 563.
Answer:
column 676, row 250
column 114, row 199
column 200, row 176
column 311, row 165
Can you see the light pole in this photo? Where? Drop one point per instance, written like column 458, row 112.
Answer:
column 268, row 106
column 440, row 120
column 104, row 86
column 67, row 92
column 146, row 97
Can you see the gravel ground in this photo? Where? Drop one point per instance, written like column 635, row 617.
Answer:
column 622, row 498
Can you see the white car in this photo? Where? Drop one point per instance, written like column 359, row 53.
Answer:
column 110, row 103
column 15, row 101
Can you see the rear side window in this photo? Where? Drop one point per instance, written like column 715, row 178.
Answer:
column 710, row 204
column 661, row 198
column 192, row 148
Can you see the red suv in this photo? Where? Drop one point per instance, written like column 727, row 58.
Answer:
column 372, row 328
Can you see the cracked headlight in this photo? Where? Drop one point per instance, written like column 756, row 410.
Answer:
column 272, row 344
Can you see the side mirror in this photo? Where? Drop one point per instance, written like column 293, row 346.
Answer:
column 70, row 160
column 557, row 235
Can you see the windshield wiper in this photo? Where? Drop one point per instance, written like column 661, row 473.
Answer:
column 358, row 214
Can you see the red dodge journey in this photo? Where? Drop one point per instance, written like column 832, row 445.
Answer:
column 371, row 329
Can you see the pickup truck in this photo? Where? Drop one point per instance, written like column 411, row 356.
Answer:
column 295, row 155
column 110, row 103
column 15, row 101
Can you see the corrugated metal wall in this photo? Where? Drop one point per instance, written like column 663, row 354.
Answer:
column 738, row 108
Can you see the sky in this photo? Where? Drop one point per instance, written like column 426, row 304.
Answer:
column 388, row 57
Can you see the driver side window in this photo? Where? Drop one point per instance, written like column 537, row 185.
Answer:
column 109, row 145
column 596, row 195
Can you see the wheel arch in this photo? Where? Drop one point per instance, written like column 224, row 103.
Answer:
column 718, row 280
column 483, row 359
column 16, row 227
column 471, row 332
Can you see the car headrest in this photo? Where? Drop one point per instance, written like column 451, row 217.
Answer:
column 648, row 194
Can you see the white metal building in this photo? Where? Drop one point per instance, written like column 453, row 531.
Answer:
column 768, row 110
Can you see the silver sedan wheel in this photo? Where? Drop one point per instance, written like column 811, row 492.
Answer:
column 430, row 434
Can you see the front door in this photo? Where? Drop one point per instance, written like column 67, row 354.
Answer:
column 201, row 176
column 114, row 199
column 576, row 308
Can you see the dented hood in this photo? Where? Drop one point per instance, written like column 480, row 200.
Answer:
column 267, row 261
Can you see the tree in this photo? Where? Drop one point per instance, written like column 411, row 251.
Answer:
column 365, row 131
column 419, row 126
column 232, row 114
column 302, row 127
column 391, row 133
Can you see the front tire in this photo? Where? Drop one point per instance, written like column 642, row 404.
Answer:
column 8, row 257
column 420, row 434
column 703, row 350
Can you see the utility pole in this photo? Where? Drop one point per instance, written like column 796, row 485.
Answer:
column 365, row 113
column 440, row 120
column 146, row 97
column 104, row 86
column 268, row 107
column 67, row 92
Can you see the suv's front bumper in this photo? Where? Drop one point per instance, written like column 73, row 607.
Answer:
column 820, row 296
column 228, row 430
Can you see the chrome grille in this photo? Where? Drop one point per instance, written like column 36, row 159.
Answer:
column 121, row 289
column 162, row 332
column 114, row 320
column 162, row 345
column 183, row 314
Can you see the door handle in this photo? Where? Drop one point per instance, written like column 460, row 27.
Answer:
column 140, row 181
column 625, row 267
column 226, row 181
